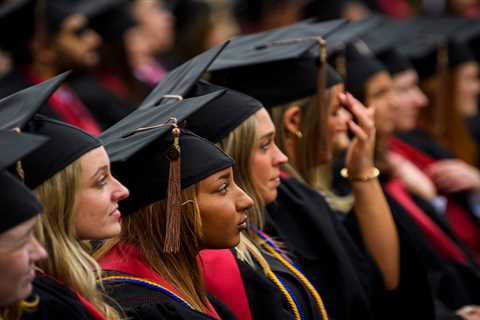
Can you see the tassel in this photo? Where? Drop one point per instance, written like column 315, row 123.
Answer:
column 442, row 90
column 173, row 212
column 324, row 145
column 19, row 167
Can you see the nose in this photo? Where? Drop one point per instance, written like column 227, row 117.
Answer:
column 121, row 192
column 344, row 115
column 38, row 252
column 421, row 100
column 94, row 39
column 279, row 157
column 243, row 200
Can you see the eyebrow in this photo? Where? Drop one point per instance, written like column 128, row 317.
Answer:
column 267, row 135
column 224, row 176
column 102, row 168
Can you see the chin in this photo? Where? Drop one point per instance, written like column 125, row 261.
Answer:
column 270, row 197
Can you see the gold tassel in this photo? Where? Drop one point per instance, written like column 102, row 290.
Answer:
column 19, row 167
column 173, row 214
column 324, row 145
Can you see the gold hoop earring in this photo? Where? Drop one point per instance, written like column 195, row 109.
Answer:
column 299, row 134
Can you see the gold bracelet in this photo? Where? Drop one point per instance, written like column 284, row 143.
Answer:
column 375, row 173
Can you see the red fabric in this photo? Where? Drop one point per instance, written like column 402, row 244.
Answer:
column 462, row 223
column 437, row 238
column 126, row 259
column 223, row 280
column 91, row 308
column 68, row 106
column 112, row 83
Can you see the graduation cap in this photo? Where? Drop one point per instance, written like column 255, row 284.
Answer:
column 19, row 16
column 111, row 22
column 18, row 203
column 56, row 11
column 158, row 161
column 180, row 80
column 66, row 145
column 383, row 41
column 17, row 109
column 361, row 66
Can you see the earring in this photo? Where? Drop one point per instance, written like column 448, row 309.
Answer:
column 299, row 134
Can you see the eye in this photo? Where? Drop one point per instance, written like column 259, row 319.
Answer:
column 265, row 145
column 223, row 188
column 102, row 181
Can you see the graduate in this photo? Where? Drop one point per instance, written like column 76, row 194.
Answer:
column 300, row 217
column 71, row 176
column 20, row 250
column 183, row 199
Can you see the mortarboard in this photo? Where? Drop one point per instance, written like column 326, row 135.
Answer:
column 67, row 144
column 17, row 109
column 111, row 22
column 157, row 161
column 361, row 66
column 18, row 203
column 19, row 16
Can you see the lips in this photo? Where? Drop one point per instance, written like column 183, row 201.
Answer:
column 115, row 212
column 242, row 225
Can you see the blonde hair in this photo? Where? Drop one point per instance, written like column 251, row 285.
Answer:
column 15, row 311
column 146, row 229
column 69, row 260
column 308, row 154
column 239, row 144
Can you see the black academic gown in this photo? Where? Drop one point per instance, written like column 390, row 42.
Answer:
column 106, row 108
column 140, row 302
column 56, row 302
column 334, row 260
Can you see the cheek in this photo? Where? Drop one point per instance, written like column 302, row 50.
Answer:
column 15, row 269
column 219, row 224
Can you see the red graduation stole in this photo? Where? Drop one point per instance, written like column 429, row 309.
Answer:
column 462, row 223
column 223, row 280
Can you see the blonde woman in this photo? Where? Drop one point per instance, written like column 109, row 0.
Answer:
column 71, row 176
column 19, row 248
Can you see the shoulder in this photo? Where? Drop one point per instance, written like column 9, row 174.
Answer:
column 56, row 301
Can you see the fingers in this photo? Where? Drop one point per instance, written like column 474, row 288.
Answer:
column 363, row 115
column 357, row 131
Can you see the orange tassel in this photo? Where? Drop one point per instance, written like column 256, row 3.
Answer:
column 173, row 214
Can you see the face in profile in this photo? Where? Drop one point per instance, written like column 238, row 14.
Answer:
column 77, row 44
column 468, row 88
column 97, row 215
column 407, row 99
column 378, row 93
column 19, row 251
column 266, row 158
column 338, row 119
column 222, row 206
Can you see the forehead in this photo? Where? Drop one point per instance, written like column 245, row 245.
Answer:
column 94, row 159
column 263, row 121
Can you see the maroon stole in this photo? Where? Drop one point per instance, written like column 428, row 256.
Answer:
column 462, row 223
column 223, row 280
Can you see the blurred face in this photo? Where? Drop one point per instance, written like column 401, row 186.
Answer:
column 408, row 99
column 337, row 120
column 76, row 43
column 19, row 251
column 223, row 208
column 266, row 158
column 97, row 213
column 468, row 87
column 378, row 93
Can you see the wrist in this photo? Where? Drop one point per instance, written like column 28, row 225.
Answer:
column 368, row 175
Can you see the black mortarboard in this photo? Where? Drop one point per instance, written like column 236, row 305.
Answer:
column 181, row 79
column 113, row 21
column 56, row 11
column 17, row 109
column 361, row 66
column 383, row 40
column 18, row 203
column 469, row 32
column 67, row 144
column 157, row 162
column 18, row 16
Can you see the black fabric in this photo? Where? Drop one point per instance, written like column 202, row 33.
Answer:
column 264, row 299
column 394, row 61
column 221, row 116
column 146, row 172
column 332, row 257
column 422, row 140
column 56, row 302
column 67, row 144
column 302, row 296
column 17, row 16
column 19, row 107
column 106, row 108
column 302, row 220
column 18, row 203
column 114, row 21
column 140, row 302
column 16, row 145
column 361, row 66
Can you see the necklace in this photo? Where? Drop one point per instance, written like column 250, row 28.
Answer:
column 278, row 254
